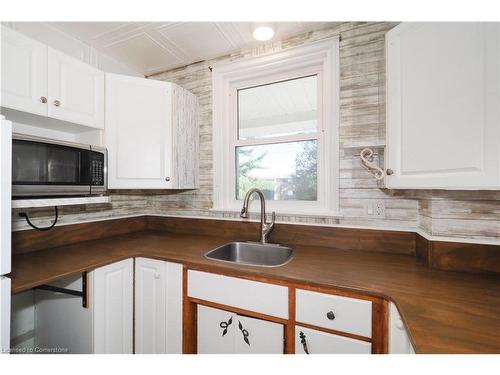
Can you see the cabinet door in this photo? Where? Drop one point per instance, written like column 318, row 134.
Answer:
column 158, row 307
column 24, row 73
column 223, row 332
column 113, row 307
column 216, row 331
column 150, row 306
column 76, row 90
column 318, row 342
column 256, row 336
column 138, row 132
column 399, row 342
column 443, row 128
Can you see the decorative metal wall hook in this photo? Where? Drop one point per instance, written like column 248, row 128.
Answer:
column 366, row 156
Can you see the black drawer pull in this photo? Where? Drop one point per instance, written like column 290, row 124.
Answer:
column 303, row 342
column 330, row 315
column 244, row 332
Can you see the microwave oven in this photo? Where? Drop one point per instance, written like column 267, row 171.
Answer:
column 48, row 168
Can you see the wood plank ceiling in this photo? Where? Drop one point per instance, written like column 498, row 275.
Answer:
column 152, row 47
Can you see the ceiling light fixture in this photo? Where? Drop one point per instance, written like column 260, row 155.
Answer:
column 263, row 32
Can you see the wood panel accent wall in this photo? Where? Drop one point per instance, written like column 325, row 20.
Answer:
column 450, row 256
column 32, row 240
column 334, row 237
column 458, row 256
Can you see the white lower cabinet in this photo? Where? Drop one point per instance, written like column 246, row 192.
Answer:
column 107, row 325
column 114, row 307
column 158, row 307
column 223, row 332
column 399, row 342
column 318, row 342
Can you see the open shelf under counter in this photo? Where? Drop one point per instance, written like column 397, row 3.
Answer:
column 50, row 202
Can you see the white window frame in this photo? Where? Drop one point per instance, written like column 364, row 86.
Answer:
column 318, row 58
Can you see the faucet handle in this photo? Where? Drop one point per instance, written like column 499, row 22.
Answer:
column 273, row 218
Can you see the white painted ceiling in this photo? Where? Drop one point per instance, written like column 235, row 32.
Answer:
column 152, row 47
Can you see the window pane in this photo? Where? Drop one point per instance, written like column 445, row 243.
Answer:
column 278, row 109
column 283, row 171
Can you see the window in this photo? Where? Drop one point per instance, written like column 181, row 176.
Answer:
column 275, row 127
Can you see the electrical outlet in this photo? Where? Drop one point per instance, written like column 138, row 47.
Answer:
column 375, row 207
column 380, row 208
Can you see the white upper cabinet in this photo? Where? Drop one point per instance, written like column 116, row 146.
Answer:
column 443, row 128
column 24, row 73
column 76, row 90
column 40, row 80
column 151, row 134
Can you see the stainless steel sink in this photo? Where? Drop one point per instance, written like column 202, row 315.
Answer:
column 252, row 254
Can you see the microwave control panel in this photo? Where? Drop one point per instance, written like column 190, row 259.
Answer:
column 97, row 168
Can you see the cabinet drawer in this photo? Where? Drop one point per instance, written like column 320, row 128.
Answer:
column 326, row 343
column 255, row 296
column 349, row 314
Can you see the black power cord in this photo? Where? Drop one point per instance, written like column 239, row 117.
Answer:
column 25, row 215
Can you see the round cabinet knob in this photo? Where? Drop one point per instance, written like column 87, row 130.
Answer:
column 389, row 172
column 57, row 103
column 157, row 275
column 330, row 315
column 167, row 179
column 43, row 99
column 399, row 324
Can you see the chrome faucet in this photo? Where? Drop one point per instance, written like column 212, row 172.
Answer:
column 265, row 228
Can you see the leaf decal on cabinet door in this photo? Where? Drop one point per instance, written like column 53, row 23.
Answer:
column 244, row 333
column 225, row 325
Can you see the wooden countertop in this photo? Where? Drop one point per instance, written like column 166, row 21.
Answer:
column 444, row 312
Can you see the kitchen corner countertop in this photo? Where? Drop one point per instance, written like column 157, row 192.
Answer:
column 444, row 312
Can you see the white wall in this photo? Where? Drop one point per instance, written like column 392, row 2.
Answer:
column 57, row 39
